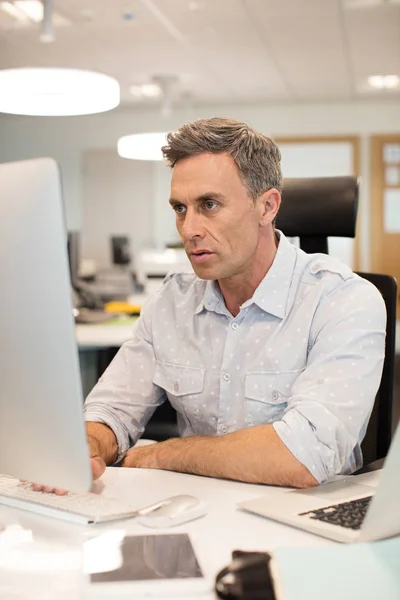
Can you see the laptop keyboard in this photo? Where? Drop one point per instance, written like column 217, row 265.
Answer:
column 346, row 514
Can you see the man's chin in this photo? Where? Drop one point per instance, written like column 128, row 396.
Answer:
column 205, row 273
column 202, row 274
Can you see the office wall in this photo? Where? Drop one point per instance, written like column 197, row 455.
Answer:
column 119, row 196
column 67, row 138
column 116, row 200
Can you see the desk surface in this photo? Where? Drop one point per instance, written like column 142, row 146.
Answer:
column 105, row 336
column 214, row 536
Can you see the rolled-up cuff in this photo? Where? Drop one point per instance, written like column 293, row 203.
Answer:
column 297, row 433
column 102, row 415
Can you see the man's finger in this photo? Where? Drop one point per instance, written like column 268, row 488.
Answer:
column 98, row 466
column 37, row 487
column 57, row 491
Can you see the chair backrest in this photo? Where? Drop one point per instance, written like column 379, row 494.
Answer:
column 317, row 208
column 314, row 209
column 379, row 432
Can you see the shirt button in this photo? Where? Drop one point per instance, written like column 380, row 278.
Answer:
column 234, row 325
column 315, row 268
column 176, row 386
column 227, row 377
column 223, row 429
column 275, row 395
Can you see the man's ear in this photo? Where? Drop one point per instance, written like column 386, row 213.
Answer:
column 270, row 202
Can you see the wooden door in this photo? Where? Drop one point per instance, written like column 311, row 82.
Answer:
column 385, row 206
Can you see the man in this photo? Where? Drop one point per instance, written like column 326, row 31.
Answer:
column 271, row 357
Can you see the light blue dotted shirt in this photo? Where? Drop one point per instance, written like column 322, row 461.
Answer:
column 305, row 353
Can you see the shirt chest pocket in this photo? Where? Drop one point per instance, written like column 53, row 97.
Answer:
column 183, row 386
column 267, row 394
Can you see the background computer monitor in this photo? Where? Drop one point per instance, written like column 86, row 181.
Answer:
column 86, row 294
column 120, row 250
column 73, row 243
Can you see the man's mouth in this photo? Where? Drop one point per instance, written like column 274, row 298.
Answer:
column 200, row 256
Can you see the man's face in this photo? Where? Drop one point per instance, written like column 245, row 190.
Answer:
column 218, row 221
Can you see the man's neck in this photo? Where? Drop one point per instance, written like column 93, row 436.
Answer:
column 238, row 289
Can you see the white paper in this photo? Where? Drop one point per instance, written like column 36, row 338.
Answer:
column 392, row 175
column 391, row 153
column 391, row 211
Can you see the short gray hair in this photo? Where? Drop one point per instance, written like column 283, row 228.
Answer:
column 256, row 156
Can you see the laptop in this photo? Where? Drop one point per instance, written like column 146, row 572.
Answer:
column 356, row 508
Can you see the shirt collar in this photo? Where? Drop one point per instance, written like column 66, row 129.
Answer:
column 272, row 293
column 212, row 299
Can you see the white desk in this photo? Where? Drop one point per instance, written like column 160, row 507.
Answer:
column 214, row 536
column 96, row 337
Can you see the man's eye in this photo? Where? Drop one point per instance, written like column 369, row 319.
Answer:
column 179, row 208
column 210, row 204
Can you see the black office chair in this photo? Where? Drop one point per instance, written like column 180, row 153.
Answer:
column 314, row 209
column 379, row 432
column 318, row 208
column 163, row 424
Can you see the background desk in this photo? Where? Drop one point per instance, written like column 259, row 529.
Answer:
column 91, row 337
column 96, row 345
column 214, row 536
column 97, row 337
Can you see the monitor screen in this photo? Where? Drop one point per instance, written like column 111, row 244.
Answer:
column 120, row 250
column 74, row 254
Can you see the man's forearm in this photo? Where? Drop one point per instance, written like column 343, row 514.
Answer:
column 102, row 441
column 254, row 455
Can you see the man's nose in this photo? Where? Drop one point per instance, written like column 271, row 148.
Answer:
column 191, row 226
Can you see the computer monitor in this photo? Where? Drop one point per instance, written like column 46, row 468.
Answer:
column 73, row 244
column 85, row 293
column 120, row 250
column 42, row 432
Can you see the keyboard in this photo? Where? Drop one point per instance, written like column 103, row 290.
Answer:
column 79, row 508
column 346, row 514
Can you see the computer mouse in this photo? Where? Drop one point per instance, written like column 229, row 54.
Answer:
column 173, row 511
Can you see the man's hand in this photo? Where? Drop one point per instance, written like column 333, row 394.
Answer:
column 143, row 457
column 103, row 450
column 98, row 467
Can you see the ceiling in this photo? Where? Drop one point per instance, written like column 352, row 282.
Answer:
column 232, row 51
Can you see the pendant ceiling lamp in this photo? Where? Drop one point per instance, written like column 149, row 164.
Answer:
column 142, row 146
column 56, row 92
column 53, row 92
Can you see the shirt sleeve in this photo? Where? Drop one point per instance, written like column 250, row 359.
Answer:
column 125, row 396
column 331, row 401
